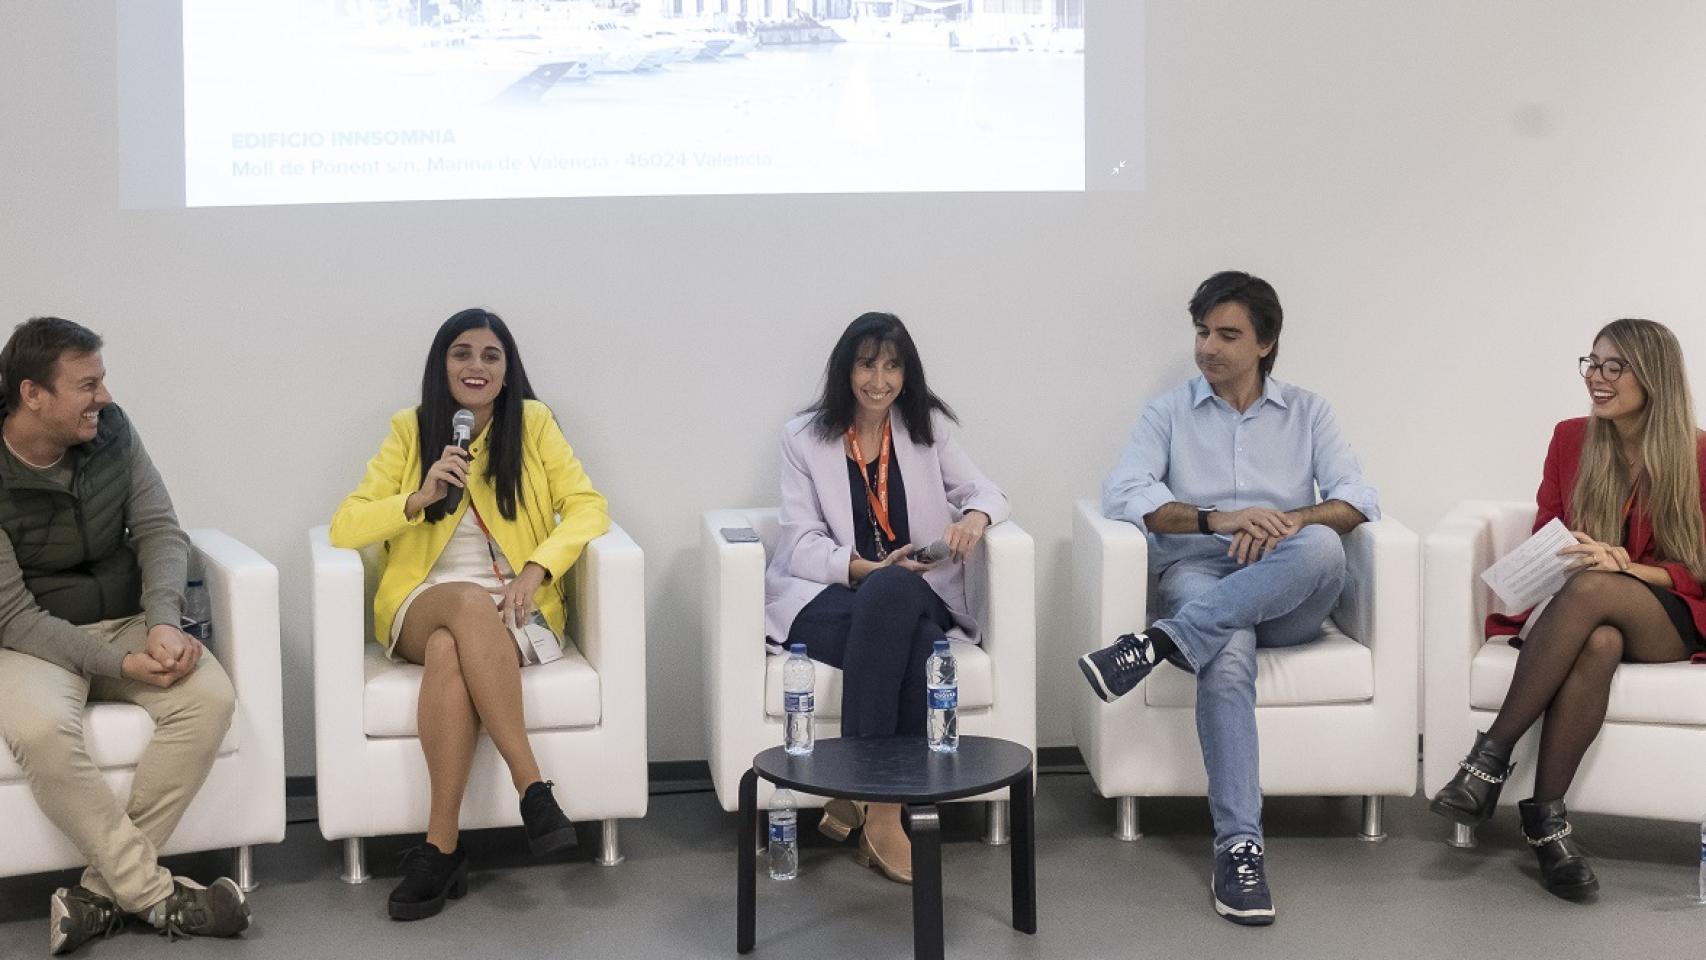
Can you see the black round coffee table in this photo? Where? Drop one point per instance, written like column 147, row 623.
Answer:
column 906, row 771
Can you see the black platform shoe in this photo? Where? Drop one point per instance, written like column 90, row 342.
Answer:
column 1473, row 793
column 547, row 827
column 1563, row 866
column 429, row 877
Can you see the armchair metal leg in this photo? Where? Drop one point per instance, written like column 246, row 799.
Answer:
column 355, row 861
column 246, row 869
column 1371, row 811
column 1125, row 819
column 996, row 822
column 609, row 844
column 1462, row 836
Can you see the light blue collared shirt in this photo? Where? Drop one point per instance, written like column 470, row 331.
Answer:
column 1192, row 447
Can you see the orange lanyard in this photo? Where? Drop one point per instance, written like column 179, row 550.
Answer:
column 878, row 498
column 491, row 550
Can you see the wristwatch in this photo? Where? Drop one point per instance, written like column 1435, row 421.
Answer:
column 1202, row 520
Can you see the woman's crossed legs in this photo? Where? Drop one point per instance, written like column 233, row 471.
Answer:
column 1596, row 621
column 473, row 678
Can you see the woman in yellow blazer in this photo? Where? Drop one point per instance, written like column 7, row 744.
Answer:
column 457, row 578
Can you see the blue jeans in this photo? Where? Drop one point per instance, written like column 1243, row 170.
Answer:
column 1221, row 614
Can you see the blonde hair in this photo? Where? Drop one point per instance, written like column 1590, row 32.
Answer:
column 1669, row 453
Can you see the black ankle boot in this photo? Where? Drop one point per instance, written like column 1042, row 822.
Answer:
column 1563, row 866
column 428, row 878
column 1473, row 793
column 547, row 827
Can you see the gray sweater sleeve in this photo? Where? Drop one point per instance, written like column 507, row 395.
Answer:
column 163, row 552
column 162, row 547
column 27, row 628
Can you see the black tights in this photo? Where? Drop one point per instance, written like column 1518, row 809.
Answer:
column 1596, row 621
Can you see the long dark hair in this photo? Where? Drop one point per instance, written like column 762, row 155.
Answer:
column 833, row 411
column 503, row 467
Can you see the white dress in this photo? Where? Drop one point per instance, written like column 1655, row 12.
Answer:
column 467, row 558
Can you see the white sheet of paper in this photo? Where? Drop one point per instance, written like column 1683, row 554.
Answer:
column 538, row 645
column 1533, row 571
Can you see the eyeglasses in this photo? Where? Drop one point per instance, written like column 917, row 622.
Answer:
column 1609, row 369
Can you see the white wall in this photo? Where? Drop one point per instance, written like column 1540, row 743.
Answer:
column 1450, row 197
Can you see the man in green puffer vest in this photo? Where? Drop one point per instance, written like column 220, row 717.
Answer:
column 92, row 571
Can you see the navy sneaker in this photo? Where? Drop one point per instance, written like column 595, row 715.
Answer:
column 1114, row 670
column 1240, row 885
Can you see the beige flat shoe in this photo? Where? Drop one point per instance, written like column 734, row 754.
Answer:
column 895, row 864
column 841, row 818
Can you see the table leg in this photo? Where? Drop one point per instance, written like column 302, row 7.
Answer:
column 925, row 826
column 1024, row 855
column 747, row 863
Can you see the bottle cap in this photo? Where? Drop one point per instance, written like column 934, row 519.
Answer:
column 941, row 646
column 797, row 649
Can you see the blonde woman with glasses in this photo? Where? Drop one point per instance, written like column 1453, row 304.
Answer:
column 1627, row 481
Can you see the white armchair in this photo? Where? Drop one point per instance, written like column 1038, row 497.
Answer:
column 743, row 697
column 586, row 713
column 1336, row 717
column 1650, row 757
column 242, row 802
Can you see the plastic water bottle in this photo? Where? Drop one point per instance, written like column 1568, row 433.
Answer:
column 198, row 612
column 943, row 679
column 798, row 679
column 784, row 846
column 1701, row 898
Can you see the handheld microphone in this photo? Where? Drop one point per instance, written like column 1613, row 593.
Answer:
column 461, row 433
column 934, row 553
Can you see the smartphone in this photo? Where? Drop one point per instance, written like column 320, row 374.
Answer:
column 739, row 535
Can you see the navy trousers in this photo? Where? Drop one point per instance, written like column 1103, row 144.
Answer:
column 880, row 636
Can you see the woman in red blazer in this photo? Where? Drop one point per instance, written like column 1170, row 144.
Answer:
column 1628, row 481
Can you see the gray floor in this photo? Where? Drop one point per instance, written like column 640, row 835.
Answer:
column 1411, row 896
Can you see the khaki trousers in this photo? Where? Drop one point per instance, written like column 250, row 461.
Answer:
column 41, row 718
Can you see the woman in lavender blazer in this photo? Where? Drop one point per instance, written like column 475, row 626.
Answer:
column 870, row 476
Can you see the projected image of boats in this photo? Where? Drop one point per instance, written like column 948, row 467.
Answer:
column 989, row 26
column 610, row 97
column 513, row 52
column 525, row 48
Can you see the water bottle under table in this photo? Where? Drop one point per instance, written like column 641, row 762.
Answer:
column 798, row 679
column 198, row 612
column 784, row 845
column 942, row 677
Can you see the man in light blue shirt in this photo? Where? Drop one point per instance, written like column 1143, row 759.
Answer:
column 1244, row 486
